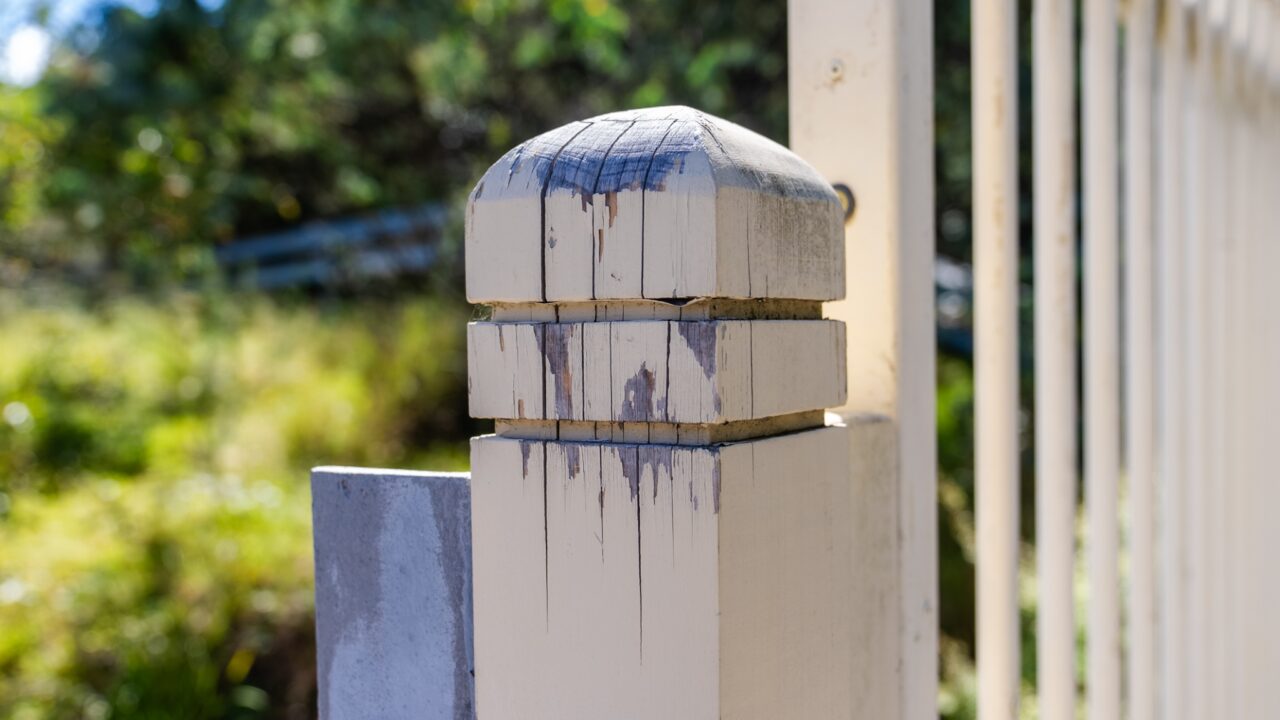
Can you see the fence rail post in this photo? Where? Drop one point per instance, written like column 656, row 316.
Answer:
column 661, row 522
column 861, row 109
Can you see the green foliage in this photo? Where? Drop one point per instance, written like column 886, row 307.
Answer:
column 192, row 126
column 132, row 389
column 22, row 155
column 154, row 516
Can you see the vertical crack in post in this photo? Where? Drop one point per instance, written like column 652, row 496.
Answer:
column 666, row 390
column 751, row 366
column 613, row 407
column 546, row 544
column 671, row 506
column 582, row 371
column 595, row 188
column 540, row 336
column 639, row 552
column 644, row 193
column 542, row 207
column 600, row 479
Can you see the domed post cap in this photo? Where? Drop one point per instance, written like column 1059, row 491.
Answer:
column 664, row 203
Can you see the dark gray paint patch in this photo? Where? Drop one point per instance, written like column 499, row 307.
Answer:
column 715, row 480
column 683, row 138
column 539, row 154
column 581, row 162
column 644, row 156
column 701, row 339
column 656, row 457
column 631, row 469
column 637, row 396
column 451, row 510
column 627, row 165
column 553, row 343
column 525, row 447
column 573, row 459
column 393, row 594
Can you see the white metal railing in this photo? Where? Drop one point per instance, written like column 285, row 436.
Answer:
column 1199, row 195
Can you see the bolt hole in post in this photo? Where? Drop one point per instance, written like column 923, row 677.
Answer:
column 835, row 70
column 848, row 204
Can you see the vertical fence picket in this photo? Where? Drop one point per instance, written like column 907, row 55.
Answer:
column 1101, row 355
column 1171, row 428
column 1139, row 378
column 1217, row 478
column 1055, row 354
column 1197, row 178
column 995, row 209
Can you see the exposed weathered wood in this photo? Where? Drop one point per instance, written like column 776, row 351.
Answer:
column 722, row 212
column 696, row 309
column 393, row 594
column 700, row 372
column 666, row 433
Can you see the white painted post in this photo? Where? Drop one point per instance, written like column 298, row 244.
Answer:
column 662, row 525
column 1055, row 355
column 1199, row 228
column 1102, row 354
column 995, row 210
column 841, row 55
column 1173, row 426
column 1140, row 366
column 1216, row 223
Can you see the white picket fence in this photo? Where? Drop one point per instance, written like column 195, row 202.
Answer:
column 1177, row 367
column 666, row 525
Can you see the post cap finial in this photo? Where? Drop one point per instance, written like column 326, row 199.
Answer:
column 660, row 203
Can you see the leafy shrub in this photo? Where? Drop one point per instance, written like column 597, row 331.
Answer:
column 155, row 542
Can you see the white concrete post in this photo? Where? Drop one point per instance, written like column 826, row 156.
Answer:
column 393, row 594
column 662, row 524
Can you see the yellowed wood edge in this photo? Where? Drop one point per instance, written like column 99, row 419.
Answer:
column 624, row 310
column 687, row 434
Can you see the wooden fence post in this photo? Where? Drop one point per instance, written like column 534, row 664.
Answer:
column 662, row 523
column 861, row 110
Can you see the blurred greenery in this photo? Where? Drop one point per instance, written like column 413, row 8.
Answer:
column 156, row 430
column 154, row 515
